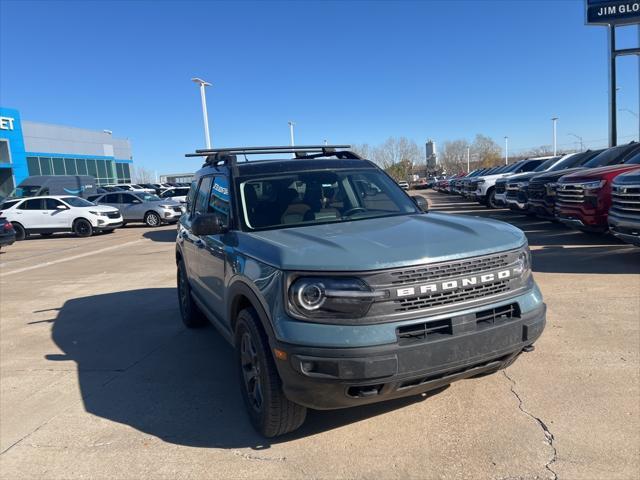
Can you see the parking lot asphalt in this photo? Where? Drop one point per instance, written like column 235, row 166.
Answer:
column 99, row 379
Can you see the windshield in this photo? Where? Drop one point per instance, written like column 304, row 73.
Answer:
column 634, row 160
column 26, row 191
column 545, row 165
column 148, row 197
column 315, row 197
column 77, row 202
column 608, row 157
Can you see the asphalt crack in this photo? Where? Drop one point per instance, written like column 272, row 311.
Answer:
column 549, row 438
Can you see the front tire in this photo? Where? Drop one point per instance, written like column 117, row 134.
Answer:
column 152, row 219
column 82, row 228
column 192, row 316
column 270, row 411
column 491, row 199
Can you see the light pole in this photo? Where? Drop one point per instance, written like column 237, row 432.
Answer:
column 579, row 139
column 506, row 150
column 205, row 116
column 555, row 136
column 468, row 158
column 291, row 125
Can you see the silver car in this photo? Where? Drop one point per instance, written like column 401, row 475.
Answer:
column 142, row 207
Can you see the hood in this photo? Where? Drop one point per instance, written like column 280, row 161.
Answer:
column 522, row 177
column 100, row 208
column 596, row 173
column 553, row 176
column 166, row 201
column 629, row 178
column 380, row 243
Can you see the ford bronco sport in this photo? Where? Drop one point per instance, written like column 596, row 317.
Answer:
column 337, row 289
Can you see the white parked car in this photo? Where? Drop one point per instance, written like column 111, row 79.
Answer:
column 49, row 214
column 403, row 185
column 179, row 194
column 132, row 187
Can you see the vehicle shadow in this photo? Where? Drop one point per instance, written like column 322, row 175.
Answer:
column 140, row 367
column 164, row 235
column 555, row 247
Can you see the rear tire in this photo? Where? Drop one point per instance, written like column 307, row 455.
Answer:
column 152, row 219
column 21, row 233
column 192, row 316
column 82, row 228
column 270, row 411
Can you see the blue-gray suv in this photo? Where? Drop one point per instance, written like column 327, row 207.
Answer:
column 338, row 289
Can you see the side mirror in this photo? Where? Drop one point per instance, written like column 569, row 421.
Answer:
column 136, row 201
column 420, row 202
column 207, row 224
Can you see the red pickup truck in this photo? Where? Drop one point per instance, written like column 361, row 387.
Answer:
column 583, row 198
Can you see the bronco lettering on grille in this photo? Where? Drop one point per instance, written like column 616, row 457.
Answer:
column 436, row 287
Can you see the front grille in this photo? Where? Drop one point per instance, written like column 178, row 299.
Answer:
column 537, row 191
column 447, row 298
column 449, row 269
column 177, row 209
column 494, row 316
column 432, row 330
column 473, row 186
column 113, row 214
column 626, row 198
column 569, row 194
column 512, row 192
column 500, row 188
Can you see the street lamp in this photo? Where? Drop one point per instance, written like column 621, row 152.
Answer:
column 468, row 158
column 506, row 150
column 291, row 125
column 579, row 138
column 555, row 137
column 205, row 116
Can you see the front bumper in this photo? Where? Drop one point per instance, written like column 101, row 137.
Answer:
column 170, row 216
column 106, row 223
column 589, row 220
column 330, row 378
column 500, row 199
column 626, row 228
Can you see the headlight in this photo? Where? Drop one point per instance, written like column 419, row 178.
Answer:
column 481, row 181
column 522, row 265
column 168, row 207
column 595, row 185
column 325, row 297
column 98, row 214
column 522, row 185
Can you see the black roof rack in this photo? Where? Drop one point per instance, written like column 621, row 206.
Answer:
column 228, row 156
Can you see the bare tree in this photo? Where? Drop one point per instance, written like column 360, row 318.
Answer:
column 487, row 152
column 396, row 150
column 141, row 175
column 453, row 156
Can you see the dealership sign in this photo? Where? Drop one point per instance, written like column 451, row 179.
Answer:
column 613, row 12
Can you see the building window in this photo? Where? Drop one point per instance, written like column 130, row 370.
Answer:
column 34, row 165
column 92, row 169
column 70, row 166
column 58, row 166
column 45, row 166
column 5, row 152
column 81, row 166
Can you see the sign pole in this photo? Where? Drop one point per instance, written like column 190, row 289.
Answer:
column 613, row 127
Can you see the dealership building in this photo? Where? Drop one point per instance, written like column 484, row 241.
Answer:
column 34, row 148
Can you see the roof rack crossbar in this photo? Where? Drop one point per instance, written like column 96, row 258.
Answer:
column 276, row 149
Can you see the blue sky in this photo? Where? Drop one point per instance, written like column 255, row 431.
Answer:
column 345, row 71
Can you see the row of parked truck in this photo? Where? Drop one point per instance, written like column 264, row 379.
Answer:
column 594, row 191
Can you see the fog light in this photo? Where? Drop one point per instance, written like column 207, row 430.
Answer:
column 167, row 214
